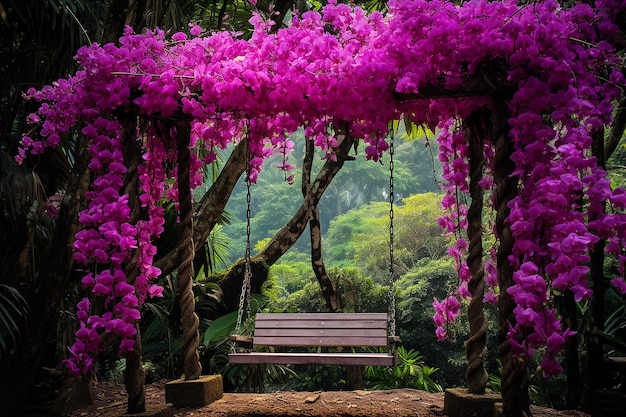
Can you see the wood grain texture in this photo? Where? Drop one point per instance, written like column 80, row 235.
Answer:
column 320, row 330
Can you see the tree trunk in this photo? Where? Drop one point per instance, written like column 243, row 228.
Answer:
column 476, row 345
column 289, row 234
column 231, row 281
column 615, row 134
column 134, row 375
column 317, row 261
column 116, row 19
column 211, row 206
column 516, row 401
column 354, row 377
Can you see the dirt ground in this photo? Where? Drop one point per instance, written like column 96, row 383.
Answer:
column 110, row 401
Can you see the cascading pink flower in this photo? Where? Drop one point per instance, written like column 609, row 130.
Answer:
column 338, row 71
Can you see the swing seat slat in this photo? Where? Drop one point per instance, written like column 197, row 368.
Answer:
column 320, row 330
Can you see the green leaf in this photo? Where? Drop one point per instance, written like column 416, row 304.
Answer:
column 613, row 341
column 13, row 312
column 612, row 323
column 222, row 327
column 219, row 329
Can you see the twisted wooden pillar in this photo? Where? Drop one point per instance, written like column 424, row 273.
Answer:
column 190, row 322
column 476, row 346
column 134, row 375
column 516, row 402
column 135, row 378
column 593, row 378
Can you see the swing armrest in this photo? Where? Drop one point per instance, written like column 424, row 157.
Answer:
column 243, row 341
column 393, row 340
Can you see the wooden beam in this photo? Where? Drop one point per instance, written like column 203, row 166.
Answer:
column 479, row 85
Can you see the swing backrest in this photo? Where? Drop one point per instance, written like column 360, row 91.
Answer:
column 321, row 329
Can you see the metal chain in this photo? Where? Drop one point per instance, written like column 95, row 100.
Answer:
column 247, row 275
column 244, row 297
column 392, row 291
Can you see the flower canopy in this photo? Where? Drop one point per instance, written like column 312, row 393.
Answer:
column 343, row 69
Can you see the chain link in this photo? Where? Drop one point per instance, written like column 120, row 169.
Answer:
column 247, row 277
column 392, row 290
column 246, row 287
column 244, row 297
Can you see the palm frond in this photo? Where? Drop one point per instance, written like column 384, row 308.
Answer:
column 14, row 185
column 78, row 20
column 14, row 313
column 24, row 225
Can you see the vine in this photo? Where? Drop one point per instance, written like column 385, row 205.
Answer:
column 342, row 68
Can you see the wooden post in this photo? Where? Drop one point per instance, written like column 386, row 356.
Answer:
column 476, row 346
column 515, row 398
column 190, row 322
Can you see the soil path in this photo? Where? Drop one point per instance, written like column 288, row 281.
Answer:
column 110, row 401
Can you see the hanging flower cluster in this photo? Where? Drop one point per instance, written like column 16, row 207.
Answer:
column 339, row 70
column 551, row 59
column 263, row 89
column 453, row 154
column 552, row 133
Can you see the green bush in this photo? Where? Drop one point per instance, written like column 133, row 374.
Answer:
column 411, row 372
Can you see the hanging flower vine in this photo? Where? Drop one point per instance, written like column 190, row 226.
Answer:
column 307, row 76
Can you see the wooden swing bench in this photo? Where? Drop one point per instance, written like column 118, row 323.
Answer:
column 343, row 331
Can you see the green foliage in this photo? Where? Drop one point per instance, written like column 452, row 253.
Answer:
column 233, row 15
column 255, row 378
column 306, row 300
column 614, row 333
column 346, row 230
column 411, row 372
column 14, row 312
column 160, row 330
column 361, row 236
column 425, row 280
column 616, row 165
column 494, row 381
column 415, row 291
column 416, row 227
column 215, row 251
column 357, row 293
column 356, row 185
column 292, row 276
column 314, row 378
column 222, row 327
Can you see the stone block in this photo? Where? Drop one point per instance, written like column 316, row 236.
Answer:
column 196, row 393
column 459, row 403
column 497, row 409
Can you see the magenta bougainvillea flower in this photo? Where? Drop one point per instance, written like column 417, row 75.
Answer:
column 306, row 76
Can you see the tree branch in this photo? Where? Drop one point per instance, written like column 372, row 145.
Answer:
column 289, row 234
column 210, row 208
column 317, row 261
